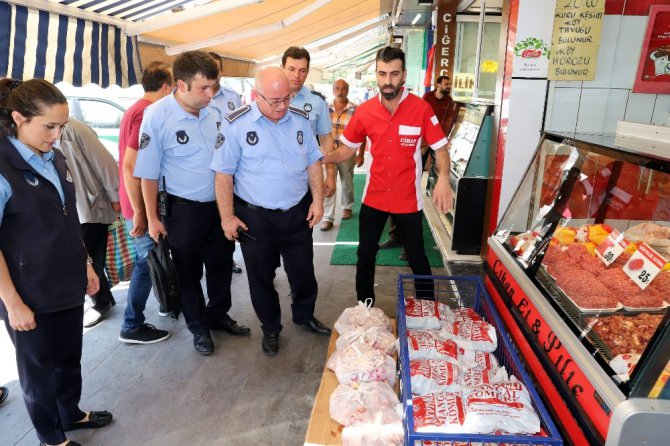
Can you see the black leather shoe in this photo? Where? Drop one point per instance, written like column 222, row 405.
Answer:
column 203, row 344
column 4, row 393
column 69, row 443
column 96, row 419
column 237, row 269
column 390, row 243
column 270, row 344
column 403, row 255
column 232, row 327
column 315, row 326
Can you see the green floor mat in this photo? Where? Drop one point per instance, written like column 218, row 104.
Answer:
column 346, row 244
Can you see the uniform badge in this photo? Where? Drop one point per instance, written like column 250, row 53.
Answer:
column 144, row 140
column 31, row 179
column 252, row 138
column 182, row 137
column 307, row 107
column 300, row 137
column 231, row 106
column 219, row 140
column 68, row 175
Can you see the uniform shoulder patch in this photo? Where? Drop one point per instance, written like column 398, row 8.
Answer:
column 297, row 111
column 319, row 94
column 237, row 113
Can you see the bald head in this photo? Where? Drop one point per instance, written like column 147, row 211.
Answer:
column 341, row 91
column 272, row 92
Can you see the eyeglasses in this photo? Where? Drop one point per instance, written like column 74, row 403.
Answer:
column 276, row 102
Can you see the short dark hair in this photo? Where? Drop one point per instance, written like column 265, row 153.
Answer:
column 187, row 65
column 27, row 98
column 441, row 78
column 295, row 52
column 387, row 54
column 155, row 75
column 217, row 58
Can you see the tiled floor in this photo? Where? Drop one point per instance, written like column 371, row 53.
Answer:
column 166, row 394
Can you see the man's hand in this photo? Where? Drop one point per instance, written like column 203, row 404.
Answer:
column 230, row 225
column 139, row 224
column 92, row 281
column 116, row 206
column 156, row 228
column 330, row 185
column 21, row 317
column 360, row 159
column 442, row 195
column 315, row 213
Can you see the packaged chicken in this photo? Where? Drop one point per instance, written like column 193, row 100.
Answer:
column 350, row 406
column 360, row 362
column 425, row 344
column 424, row 314
column 376, row 337
column 472, row 335
column 361, row 316
column 374, row 434
column 434, row 375
column 439, row 412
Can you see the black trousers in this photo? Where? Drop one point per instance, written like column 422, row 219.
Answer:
column 48, row 360
column 195, row 238
column 285, row 234
column 410, row 229
column 95, row 239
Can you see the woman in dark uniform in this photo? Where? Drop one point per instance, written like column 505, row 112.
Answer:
column 44, row 268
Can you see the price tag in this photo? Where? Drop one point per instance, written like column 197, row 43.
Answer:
column 612, row 247
column 644, row 265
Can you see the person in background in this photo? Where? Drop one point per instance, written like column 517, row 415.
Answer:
column 157, row 83
column 269, row 143
column 44, row 267
column 295, row 63
column 396, row 122
column 96, row 180
column 226, row 101
column 179, row 136
column 341, row 111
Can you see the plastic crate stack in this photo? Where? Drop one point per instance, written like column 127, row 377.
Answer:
column 364, row 402
column 462, row 382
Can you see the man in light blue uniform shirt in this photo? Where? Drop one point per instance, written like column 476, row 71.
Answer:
column 226, row 101
column 178, row 137
column 295, row 62
column 269, row 189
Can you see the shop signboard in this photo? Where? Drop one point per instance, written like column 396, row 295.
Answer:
column 445, row 38
column 653, row 71
column 533, row 38
column 576, row 40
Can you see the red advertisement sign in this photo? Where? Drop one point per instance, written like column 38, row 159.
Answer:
column 653, row 71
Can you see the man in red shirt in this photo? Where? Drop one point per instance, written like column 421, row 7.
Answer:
column 395, row 122
column 157, row 83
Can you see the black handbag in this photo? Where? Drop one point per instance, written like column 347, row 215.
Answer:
column 164, row 277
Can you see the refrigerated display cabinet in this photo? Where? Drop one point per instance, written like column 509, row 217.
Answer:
column 578, row 269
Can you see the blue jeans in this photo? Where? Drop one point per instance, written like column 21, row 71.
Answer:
column 140, row 283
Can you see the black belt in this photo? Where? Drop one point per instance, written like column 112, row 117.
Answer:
column 174, row 199
column 260, row 208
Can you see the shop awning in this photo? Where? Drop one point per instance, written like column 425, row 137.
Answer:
column 58, row 47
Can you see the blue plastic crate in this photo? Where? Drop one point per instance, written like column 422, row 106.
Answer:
column 465, row 292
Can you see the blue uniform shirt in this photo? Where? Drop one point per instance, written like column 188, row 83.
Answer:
column 315, row 105
column 226, row 100
column 178, row 145
column 269, row 161
column 44, row 165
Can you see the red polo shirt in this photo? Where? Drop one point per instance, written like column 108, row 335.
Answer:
column 394, row 182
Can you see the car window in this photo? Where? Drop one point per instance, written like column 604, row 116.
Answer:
column 100, row 115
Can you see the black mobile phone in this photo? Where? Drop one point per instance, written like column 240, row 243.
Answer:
column 163, row 205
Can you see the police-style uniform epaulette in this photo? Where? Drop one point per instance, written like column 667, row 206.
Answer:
column 319, row 94
column 297, row 111
column 237, row 113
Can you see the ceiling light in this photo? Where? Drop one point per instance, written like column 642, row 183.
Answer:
column 416, row 19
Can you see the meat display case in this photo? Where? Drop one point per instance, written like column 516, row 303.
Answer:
column 578, row 270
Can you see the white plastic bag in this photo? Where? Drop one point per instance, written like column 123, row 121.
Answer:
column 377, row 433
column 424, row 314
column 377, row 337
column 350, row 406
column 439, row 412
column 472, row 335
column 434, row 375
column 423, row 344
column 361, row 316
column 361, row 363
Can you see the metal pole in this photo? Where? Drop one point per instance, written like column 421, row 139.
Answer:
column 478, row 55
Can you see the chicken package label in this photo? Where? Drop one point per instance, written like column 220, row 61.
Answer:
column 438, row 412
column 423, row 345
column 644, row 265
column 612, row 247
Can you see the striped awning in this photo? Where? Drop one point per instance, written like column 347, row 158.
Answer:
column 60, row 48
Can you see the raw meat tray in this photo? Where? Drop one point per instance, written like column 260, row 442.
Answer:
column 458, row 292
